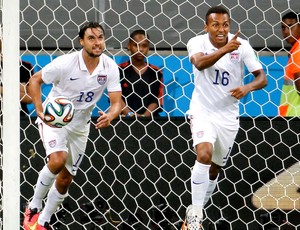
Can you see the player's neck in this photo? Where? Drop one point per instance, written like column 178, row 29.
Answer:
column 91, row 63
column 139, row 66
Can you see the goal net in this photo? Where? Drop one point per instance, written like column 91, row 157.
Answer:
column 136, row 173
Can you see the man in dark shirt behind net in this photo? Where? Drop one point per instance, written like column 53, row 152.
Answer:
column 141, row 82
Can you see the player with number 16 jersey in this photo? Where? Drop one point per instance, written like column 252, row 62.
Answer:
column 213, row 85
column 218, row 58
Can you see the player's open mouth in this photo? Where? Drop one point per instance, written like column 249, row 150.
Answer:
column 221, row 36
column 97, row 50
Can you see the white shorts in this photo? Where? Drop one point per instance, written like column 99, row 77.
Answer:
column 207, row 129
column 62, row 139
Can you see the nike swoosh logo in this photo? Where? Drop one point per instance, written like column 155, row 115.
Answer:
column 197, row 182
column 73, row 79
column 44, row 184
column 32, row 227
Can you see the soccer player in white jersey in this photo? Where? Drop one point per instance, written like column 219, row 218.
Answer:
column 82, row 77
column 218, row 58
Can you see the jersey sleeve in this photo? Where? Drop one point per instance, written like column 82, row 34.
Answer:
column 51, row 72
column 155, row 89
column 250, row 59
column 194, row 46
column 114, row 84
column 294, row 65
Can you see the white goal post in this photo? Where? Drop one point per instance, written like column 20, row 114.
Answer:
column 11, row 115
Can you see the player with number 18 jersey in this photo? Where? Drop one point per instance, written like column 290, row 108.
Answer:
column 81, row 76
column 70, row 77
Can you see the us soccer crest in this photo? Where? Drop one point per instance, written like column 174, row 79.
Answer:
column 52, row 143
column 101, row 79
column 200, row 134
column 234, row 57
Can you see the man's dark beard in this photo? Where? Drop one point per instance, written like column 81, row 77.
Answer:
column 92, row 54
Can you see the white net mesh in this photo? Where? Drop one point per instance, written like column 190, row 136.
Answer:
column 136, row 173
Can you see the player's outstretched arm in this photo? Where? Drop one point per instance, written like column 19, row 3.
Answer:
column 35, row 92
column 259, row 82
column 201, row 61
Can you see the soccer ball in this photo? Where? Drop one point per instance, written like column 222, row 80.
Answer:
column 58, row 111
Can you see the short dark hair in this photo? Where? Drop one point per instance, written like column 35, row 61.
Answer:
column 136, row 32
column 87, row 25
column 216, row 10
column 291, row 15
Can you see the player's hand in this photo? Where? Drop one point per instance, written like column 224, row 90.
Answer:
column 240, row 91
column 102, row 121
column 41, row 115
column 233, row 44
column 236, row 35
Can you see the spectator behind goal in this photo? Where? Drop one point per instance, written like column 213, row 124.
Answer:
column 141, row 82
column 290, row 96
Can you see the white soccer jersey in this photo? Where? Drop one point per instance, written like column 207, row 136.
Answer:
column 213, row 85
column 70, row 78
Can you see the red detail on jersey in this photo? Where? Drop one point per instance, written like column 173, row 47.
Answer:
column 200, row 134
column 234, row 57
